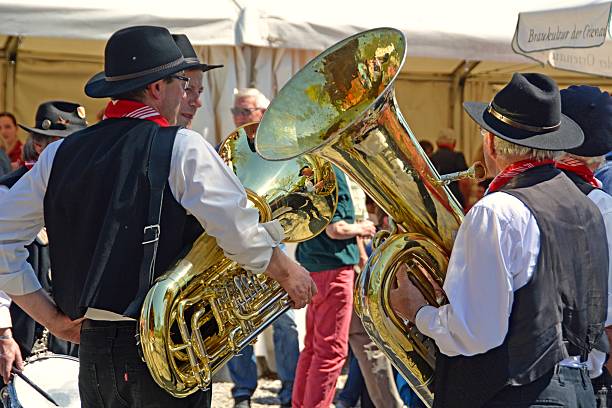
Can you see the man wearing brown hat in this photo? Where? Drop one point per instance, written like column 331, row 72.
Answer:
column 93, row 191
column 527, row 278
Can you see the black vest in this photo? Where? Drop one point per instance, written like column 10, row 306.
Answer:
column 95, row 211
column 566, row 299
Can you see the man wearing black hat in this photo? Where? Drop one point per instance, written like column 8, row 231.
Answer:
column 527, row 278
column 113, row 231
column 54, row 120
column 592, row 110
column 191, row 103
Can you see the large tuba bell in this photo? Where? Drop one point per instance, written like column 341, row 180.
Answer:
column 206, row 308
column 341, row 106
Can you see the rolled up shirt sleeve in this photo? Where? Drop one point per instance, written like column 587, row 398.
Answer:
column 21, row 218
column 5, row 313
column 206, row 188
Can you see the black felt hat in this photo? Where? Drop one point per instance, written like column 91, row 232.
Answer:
column 527, row 112
column 591, row 108
column 135, row 57
column 190, row 55
column 58, row 118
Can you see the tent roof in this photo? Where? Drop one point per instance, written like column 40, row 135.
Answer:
column 94, row 19
column 469, row 29
column 464, row 30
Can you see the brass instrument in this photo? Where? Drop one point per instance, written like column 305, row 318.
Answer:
column 205, row 309
column 341, row 106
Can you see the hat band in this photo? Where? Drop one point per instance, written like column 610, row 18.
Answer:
column 520, row 125
column 139, row 74
column 192, row 60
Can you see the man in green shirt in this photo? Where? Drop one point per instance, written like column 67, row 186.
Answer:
column 330, row 257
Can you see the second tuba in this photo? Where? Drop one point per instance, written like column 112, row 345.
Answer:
column 341, row 106
column 205, row 309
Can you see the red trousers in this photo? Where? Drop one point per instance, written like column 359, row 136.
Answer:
column 328, row 318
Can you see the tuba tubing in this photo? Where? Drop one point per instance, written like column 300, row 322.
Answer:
column 206, row 308
column 341, row 106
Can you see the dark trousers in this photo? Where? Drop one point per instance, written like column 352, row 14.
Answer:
column 561, row 387
column 602, row 386
column 112, row 374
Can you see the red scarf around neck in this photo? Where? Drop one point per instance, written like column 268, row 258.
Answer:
column 579, row 168
column 514, row 170
column 123, row 108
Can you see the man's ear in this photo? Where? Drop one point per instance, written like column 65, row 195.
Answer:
column 490, row 144
column 155, row 89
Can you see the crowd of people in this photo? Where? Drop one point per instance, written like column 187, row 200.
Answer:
column 528, row 281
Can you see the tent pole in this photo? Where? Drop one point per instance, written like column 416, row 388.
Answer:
column 10, row 49
column 458, row 77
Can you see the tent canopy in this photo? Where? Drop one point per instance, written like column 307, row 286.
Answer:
column 93, row 19
column 472, row 29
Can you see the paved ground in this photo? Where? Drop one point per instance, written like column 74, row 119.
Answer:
column 265, row 395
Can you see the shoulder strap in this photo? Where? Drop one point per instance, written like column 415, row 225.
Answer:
column 158, row 170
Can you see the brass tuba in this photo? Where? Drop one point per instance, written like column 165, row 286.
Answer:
column 206, row 308
column 341, row 106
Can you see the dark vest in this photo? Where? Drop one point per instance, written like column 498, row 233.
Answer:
column 566, row 299
column 11, row 178
column 95, row 211
column 25, row 330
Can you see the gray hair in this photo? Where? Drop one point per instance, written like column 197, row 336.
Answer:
column 446, row 136
column 515, row 152
column 260, row 99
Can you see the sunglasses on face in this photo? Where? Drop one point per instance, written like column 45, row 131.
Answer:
column 244, row 111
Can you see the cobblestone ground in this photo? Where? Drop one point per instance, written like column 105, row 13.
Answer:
column 265, row 395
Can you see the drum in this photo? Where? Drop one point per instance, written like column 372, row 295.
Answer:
column 57, row 374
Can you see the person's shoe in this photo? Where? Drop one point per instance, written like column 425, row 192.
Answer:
column 242, row 403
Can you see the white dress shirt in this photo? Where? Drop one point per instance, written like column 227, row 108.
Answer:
column 495, row 254
column 198, row 180
column 603, row 201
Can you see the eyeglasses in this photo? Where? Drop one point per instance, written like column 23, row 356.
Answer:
column 243, row 111
column 182, row 78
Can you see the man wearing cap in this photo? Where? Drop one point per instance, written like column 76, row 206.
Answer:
column 527, row 278
column 93, row 191
column 592, row 110
column 54, row 120
column 191, row 103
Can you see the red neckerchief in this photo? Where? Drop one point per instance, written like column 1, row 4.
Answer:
column 514, row 170
column 122, row 108
column 579, row 168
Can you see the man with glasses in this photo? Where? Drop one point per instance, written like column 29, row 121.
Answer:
column 191, row 103
column 249, row 106
column 113, row 233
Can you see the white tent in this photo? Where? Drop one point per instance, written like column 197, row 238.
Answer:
column 574, row 38
column 457, row 50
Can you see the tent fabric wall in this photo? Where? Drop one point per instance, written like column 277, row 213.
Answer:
column 37, row 81
column 423, row 89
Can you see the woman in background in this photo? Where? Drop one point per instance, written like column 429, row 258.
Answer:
column 8, row 130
